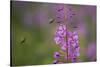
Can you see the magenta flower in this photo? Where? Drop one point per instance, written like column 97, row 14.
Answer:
column 67, row 40
column 60, row 33
column 73, row 43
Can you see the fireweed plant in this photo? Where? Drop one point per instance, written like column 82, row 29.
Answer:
column 67, row 40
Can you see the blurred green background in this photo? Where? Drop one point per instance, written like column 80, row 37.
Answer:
column 32, row 35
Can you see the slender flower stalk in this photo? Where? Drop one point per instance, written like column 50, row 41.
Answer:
column 67, row 40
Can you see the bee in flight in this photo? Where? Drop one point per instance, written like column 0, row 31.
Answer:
column 23, row 40
column 51, row 21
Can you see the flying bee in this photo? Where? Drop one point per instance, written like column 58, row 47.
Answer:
column 22, row 40
column 51, row 21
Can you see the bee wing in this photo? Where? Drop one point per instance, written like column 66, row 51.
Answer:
column 22, row 41
column 51, row 21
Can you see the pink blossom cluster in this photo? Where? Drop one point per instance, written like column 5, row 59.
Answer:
column 69, row 46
